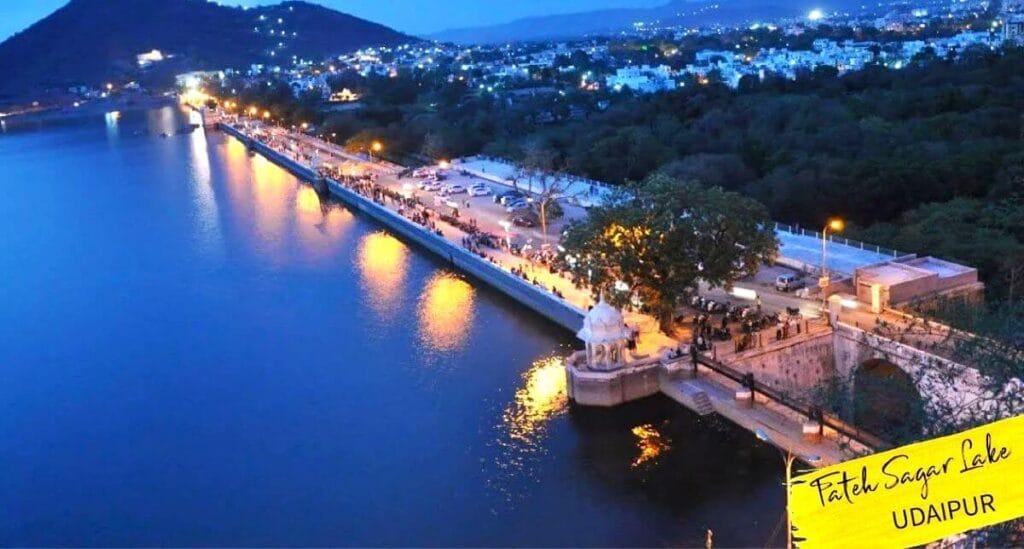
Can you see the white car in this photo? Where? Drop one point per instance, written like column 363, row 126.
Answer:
column 479, row 190
column 454, row 189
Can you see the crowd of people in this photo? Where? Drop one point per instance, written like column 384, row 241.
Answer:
column 750, row 323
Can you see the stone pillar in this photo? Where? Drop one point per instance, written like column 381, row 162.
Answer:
column 834, row 308
column 812, row 431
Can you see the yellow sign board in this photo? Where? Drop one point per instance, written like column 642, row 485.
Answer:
column 914, row 494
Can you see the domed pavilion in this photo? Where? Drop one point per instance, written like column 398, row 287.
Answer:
column 606, row 336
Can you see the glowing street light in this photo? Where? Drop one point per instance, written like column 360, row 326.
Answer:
column 835, row 225
column 377, row 146
column 444, row 164
column 816, row 15
column 266, row 114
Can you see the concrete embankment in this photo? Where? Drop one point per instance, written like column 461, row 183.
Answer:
column 540, row 301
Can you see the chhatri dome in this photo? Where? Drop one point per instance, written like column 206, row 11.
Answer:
column 605, row 334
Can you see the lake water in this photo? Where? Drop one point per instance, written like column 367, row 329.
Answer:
column 196, row 349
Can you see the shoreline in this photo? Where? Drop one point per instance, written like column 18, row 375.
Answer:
column 91, row 108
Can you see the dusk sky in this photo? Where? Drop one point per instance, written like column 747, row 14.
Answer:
column 413, row 16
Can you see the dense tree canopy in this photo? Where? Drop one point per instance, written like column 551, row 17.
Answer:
column 656, row 242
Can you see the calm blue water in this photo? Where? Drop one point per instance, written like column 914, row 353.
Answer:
column 195, row 349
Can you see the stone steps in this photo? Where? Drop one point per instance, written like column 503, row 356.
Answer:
column 692, row 396
column 703, row 402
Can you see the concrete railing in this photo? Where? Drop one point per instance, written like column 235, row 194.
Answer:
column 881, row 250
column 827, row 419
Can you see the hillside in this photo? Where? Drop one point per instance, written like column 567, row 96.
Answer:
column 676, row 12
column 89, row 41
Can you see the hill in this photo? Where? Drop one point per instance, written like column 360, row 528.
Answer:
column 90, row 41
column 676, row 12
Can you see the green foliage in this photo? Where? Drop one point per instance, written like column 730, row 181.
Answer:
column 869, row 146
column 665, row 236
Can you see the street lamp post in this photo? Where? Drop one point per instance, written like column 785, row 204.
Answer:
column 507, row 225
column 836, row 225
column 788, row 457
column 375, row 147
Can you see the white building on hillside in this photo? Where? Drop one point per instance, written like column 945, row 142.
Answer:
column 642, row 79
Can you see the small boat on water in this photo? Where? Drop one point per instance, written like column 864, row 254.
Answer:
column 184, row 130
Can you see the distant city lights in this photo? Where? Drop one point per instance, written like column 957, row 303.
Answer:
column 816, row 15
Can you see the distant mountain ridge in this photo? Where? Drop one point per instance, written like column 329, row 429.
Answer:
column 695, row 12
column 87, row 41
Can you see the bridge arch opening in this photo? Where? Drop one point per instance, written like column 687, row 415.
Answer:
column 886, row 402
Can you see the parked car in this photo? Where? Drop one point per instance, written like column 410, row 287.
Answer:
column 517, row 205
column 454, row 189
column 479, row 190
column 788, row 282
column 523, row 221
column 421, row 172
column 509, row 196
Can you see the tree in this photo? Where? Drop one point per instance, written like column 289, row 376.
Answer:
column 658, row 242
column 433, row 146
column 1013, row 272
column 544, row 181
column 361, row 142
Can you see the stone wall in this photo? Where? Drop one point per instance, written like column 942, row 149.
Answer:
column 948, row 389
column 613, row 388
column 794, row 366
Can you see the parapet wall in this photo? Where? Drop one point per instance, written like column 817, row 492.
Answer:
column 608, row 389
column 795, row 366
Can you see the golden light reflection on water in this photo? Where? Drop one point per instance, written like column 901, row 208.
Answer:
column 307, row 202
column 542, row 397
column 446, row 311
column 270, row 188
column 205, row 201
column 320, row 225
column 650, row 444
column 382, row 267
column 237, row 174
